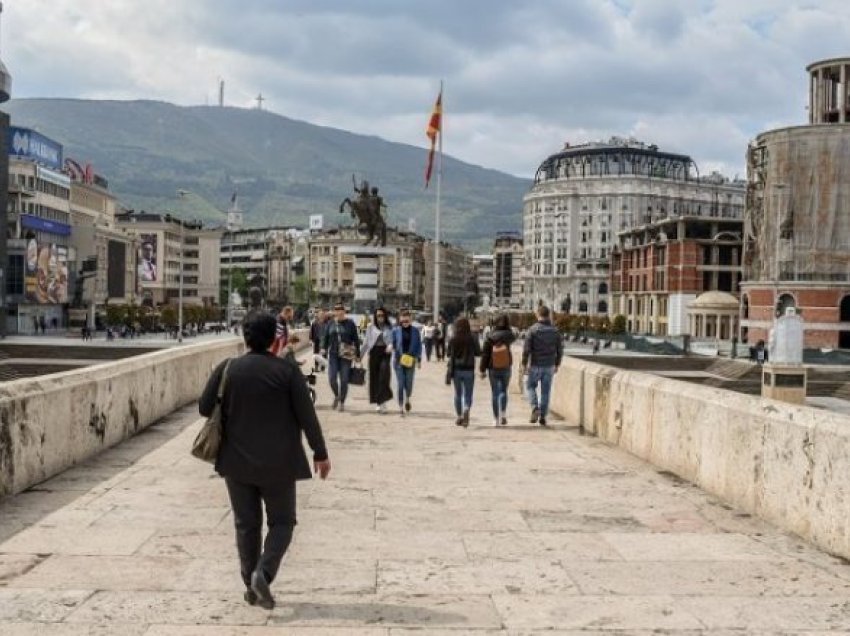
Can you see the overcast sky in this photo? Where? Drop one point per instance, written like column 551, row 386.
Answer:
column 700, row 77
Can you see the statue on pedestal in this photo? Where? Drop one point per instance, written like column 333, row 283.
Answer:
column 367, row 209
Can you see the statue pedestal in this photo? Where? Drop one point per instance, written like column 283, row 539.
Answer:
column 784, row 382
column 367, row 263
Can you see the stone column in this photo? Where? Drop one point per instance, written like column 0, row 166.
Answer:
column 842, row 95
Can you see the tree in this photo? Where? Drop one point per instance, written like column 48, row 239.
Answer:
column 618, row 325
column 168, row 316
column 116, row 314
column 302, row 291
column 239, row 283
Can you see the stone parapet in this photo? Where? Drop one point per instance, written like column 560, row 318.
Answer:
column 785, row 463
column 50, row 423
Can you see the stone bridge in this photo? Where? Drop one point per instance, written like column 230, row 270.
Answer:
column 423, row 527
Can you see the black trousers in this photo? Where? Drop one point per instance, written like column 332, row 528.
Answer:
column 246, row 500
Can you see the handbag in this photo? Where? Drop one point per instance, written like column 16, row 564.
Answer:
column 346, row 351
column 357, row 376
column 208, row 441
column 407, row 361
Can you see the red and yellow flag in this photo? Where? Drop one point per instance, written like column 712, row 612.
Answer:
column 435, row 125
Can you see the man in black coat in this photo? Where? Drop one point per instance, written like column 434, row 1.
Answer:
column 265, row 408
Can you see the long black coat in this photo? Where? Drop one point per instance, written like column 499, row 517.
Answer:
column 266, row 406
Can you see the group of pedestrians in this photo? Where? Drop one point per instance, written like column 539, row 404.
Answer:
column 265, row 406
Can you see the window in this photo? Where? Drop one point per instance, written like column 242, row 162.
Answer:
column 582, row 307
column 582, row 288
column 15, row 275
column 602, row 307
column 603, row 288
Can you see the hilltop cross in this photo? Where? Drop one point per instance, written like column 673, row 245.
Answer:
column 260, row 100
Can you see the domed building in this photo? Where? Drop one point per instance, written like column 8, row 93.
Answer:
column 584, row 197
column 714, row 316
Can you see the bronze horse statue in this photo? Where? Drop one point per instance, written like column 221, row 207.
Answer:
column 367, row 210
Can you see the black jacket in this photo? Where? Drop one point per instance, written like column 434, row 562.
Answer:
column 505, row 336
column 543, row 346
column 336, row 332
column 463, row 360
column 265, row 406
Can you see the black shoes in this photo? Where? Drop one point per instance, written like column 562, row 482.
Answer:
column 261, row 588
column 335, row 404
column 542, row 421
column 503, row 421
column 465, row 418
column 407, row 406
column 250, row 597
column 459, row 420
column 535, row 415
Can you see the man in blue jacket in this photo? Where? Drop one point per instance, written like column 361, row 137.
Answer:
column 407, row 355
column 541, row 357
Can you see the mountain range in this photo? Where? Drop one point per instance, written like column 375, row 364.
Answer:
column 284, row 170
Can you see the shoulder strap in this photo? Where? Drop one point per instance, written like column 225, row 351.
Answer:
column 222, row 384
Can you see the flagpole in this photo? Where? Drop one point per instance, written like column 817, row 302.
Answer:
column 437, row 254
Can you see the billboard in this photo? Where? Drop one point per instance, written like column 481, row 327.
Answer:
column 46, row 275
column 147, row 258
column 116, row 257
column 317, row 221
column 24, row 143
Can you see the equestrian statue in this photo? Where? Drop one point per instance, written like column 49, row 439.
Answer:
column 368, row 208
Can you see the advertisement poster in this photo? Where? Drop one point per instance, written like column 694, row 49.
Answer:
column 46, row 276
column 148, row 258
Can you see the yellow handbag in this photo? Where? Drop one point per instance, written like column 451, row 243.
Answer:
column 407, row 360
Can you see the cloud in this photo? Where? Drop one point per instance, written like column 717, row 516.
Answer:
column 699, row 77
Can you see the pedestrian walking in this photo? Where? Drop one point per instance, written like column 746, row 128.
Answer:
column 407, row 355
column 440, row 339
column 462, row 350
column 497, row 362
column 317, row 331
column 280, row 346
column 341, row 347
column 428, row 339
column 541, row 357
column 379, row 338
column 42, row 322
column 265, row 406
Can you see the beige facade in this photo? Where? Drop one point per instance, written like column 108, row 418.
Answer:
column 456, row 268
column 331, row 273
column 509, row 272
column 106, row 255
column 166, row 243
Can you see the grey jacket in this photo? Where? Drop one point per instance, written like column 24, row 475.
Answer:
column 543, row 346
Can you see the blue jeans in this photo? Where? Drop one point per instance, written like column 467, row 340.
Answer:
column 464, row 382
column 339, row 370
column 542, row 376
column 500, row 381
column 404, row 378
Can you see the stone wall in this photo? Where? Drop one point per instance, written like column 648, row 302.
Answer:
column 50, row 423
column 787, row 464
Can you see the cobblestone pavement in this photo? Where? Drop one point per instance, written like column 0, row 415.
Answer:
column 423, row 527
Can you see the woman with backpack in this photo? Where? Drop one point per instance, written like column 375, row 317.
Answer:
column 462, row 350
column 497, row 361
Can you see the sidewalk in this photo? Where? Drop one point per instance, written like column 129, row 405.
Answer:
column 423, row 527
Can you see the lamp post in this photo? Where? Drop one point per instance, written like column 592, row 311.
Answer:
column 180, row 288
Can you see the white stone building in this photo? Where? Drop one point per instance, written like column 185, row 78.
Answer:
column 584, row 195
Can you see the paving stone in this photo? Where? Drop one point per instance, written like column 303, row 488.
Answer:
column 14, row 565
column 17, row 605
column 67, row 629
column 105, row 573
column 219, row 630
column 57, row 540
column 828, row 613
column 689, row 547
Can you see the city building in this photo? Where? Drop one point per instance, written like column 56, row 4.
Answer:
column 455, row 271
column 5, row 94
column 331, row 272
column 167, row 245
column 277, row 256
column 106, row 255
column 584, row 195
column 508, row 271
column 797, row 230
column 482, row 269
column 41, row 261
column 667, row 275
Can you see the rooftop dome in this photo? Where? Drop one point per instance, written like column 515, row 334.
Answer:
column 715, row 300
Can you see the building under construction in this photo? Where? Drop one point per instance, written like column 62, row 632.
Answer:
column 797, row 218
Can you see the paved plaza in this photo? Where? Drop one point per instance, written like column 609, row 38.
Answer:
column 423, row 527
